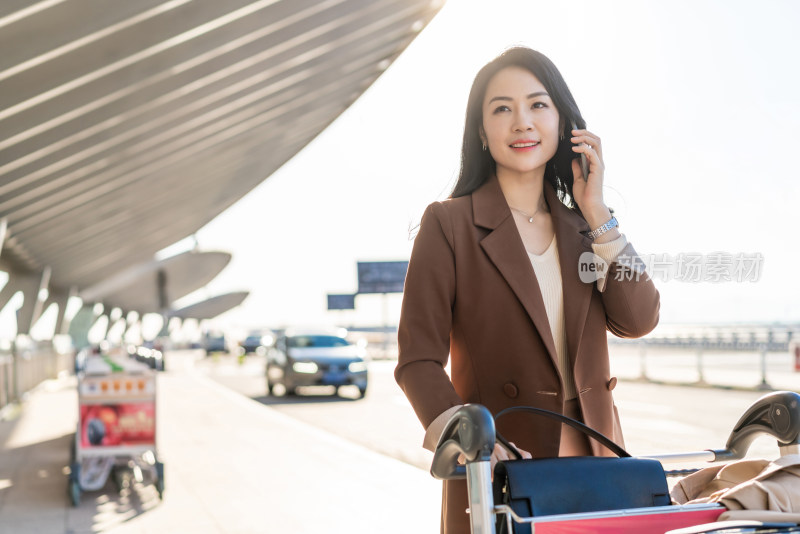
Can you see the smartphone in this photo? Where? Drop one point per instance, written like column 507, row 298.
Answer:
column 584, row 162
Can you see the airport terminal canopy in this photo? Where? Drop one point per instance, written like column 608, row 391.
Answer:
column 210, row 308
column 127, row 126
column 151, row 287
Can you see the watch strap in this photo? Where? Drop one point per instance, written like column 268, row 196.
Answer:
column 597, row 232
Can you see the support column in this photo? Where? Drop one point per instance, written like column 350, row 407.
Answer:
column 164, row 332
column 30, row 285
column 61, row 298
column 38, row 305
column 81, row 324
column 122, row 323
column 7, row 292
column 174, row 320
column 3, row 232
column 131, row 323
column 163, row 303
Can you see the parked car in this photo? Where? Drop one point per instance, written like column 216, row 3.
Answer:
column 257, row 342
column 151, row 356
column 215, row 342
column 315, row 358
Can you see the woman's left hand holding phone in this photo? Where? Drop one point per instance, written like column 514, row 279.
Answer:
column 588, row 194
column 587, row 189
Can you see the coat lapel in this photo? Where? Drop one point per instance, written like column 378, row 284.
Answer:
column 504, row 248
column 571, row 244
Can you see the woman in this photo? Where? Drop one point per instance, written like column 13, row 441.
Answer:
column 498, row 275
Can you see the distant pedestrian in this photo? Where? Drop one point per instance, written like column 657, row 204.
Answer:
column 501, row 276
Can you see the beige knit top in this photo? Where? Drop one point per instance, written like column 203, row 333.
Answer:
column 548, row 273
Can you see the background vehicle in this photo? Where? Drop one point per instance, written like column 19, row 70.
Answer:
column 316, row 358
column 151, row 356
column 215, row 342
column 257, row 342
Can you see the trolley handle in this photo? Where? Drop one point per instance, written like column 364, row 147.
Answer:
column 776, row 414
column 470, row 431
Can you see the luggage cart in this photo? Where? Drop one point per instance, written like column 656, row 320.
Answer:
column 116, row 432
column 471, row 432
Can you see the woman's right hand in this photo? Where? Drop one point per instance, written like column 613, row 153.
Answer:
column 501, row 454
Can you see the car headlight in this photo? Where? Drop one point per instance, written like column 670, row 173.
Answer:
column 357, row 367
column 305, row 367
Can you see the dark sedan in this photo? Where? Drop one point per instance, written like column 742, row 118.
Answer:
column 316, row 358
column 257, row 342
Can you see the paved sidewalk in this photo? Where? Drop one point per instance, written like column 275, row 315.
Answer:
column 232, row 465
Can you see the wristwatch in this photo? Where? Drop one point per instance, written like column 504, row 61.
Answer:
column 597, row 232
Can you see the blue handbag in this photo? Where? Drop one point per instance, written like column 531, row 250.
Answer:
column 549, row 486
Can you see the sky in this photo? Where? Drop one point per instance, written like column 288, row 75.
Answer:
column 697, row 105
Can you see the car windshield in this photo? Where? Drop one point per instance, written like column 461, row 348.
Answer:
column 317, row 341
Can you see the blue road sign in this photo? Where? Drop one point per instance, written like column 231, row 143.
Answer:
column 381, row 276
column 341, row 302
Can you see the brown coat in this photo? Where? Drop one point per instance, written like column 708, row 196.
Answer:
column 471, row 293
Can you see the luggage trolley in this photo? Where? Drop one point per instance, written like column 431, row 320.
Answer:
column 116, row 432
column 471, row 432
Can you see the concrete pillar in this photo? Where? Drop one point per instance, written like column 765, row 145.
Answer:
column 138, row 325
column 164, row 332
column 3, row 232
column 61, row 298
column 117, row 322
column 7, row 292
column 38, row 305
column 132, row 320
column 163, row 298
column 81, row 324
column 178, row 322
column 30, row 285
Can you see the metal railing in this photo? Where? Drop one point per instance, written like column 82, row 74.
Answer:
column 702, row 340
column 25, row 365
column 6, row 379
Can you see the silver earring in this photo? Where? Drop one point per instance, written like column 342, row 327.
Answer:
column 484, row 147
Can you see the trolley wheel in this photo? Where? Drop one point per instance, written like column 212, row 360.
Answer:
column 75, row 492
column 160, row 480
column 119, row 478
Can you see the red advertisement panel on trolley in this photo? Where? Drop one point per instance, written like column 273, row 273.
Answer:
column 118, row 424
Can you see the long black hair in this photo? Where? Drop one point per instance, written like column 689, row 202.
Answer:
column 477, row 165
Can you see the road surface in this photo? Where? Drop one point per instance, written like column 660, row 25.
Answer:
column 655, row 418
